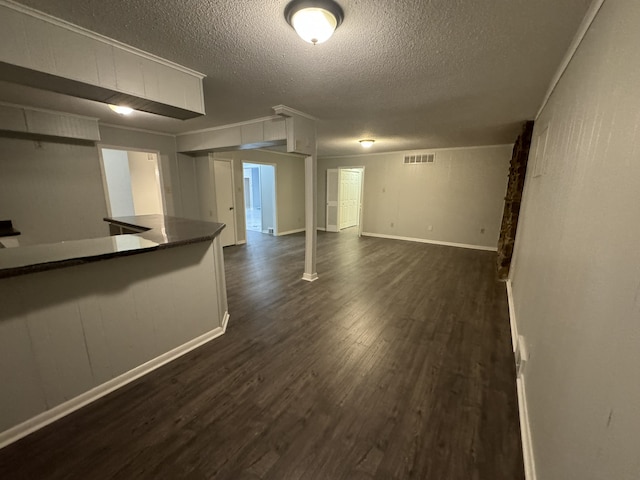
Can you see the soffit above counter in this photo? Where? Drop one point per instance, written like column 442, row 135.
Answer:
column 42, row 51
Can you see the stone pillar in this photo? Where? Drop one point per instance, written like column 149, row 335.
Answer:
column 515, row 186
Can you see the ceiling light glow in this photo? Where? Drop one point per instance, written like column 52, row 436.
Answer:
column 121, row 109
column 314, row 20
column 367, row 143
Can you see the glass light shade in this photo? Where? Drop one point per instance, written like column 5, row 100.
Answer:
column 121, row 110
column 366, row 143
column 314, row 25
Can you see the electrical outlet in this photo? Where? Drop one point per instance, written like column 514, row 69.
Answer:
column 482, row 230
column 430, row 227
column 391, row 224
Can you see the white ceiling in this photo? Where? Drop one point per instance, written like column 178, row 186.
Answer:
column 412, row 74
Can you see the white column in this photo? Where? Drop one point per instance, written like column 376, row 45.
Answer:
column 310, row 218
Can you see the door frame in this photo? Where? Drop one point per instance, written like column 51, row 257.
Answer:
column 361, row 199
column 212, row 161
column 275, row 193
column 105, row 187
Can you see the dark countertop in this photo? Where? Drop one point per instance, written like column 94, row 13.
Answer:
column 156, row 232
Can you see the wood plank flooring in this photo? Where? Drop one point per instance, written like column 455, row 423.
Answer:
column 395, row 364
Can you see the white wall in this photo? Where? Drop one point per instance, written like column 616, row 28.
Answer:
column 66, row 331
column 118, row 178
column 52, row 191
column 289, row 187
column 145, row 185
column 458, row 195
column 267, row 191
column 168, row 161
column 576, row 271
column 187, row 183
column 206, row 188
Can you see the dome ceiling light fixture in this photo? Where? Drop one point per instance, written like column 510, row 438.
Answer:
column 367, row 142
column 314, row 20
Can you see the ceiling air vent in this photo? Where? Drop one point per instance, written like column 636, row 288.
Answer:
column 423, row 158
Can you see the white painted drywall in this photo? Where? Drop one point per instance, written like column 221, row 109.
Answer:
column 206, row 188
column 166, row 145
column 65, row 331
column 145, row 184
column 289, row 187
column 118, row 179
column 458, row 195
column 187, row 170
column 267, row 192
column 52, row 191
column 576, row 271
column 38, row 42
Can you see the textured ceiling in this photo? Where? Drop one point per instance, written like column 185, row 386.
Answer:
column 411, row 74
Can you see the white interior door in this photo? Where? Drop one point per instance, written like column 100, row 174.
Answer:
column 349, row 197
column 333, row 188
column 223, row 178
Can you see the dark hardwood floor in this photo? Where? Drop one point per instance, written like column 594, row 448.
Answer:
column 395, row 364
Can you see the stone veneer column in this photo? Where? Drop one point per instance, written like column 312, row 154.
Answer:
column 517, row 173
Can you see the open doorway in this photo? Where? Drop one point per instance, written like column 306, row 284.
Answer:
column 345, row 187
column 132, row 181
column 259, row 184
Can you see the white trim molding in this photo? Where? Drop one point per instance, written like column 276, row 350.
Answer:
column 512, row 316
column 433, row 242
column 284, row 111
column 134, row 129
column 96, row 36
column 45, row 418
column 588, row 19
column 412, row 152
column 289, row 232
column 310, row 277
column 525, row 432
column 230, row 125
column 525, row 428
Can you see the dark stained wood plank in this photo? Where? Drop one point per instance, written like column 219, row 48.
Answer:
column 395, row 364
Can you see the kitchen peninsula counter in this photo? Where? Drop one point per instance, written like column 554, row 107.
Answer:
column 148, row 232
column 79, row 319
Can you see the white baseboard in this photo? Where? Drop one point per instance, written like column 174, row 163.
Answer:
column 45, row 418
column 525, row 432
column 525, row 429
column 434, row 242
column 512, row 316
column 241, row 242
column 225, row 322
column 322, row 229
column 309, row 277
column 289, row 232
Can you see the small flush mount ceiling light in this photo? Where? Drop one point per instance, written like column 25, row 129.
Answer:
column 367, row 143
column 314, row 20
column 121, row 110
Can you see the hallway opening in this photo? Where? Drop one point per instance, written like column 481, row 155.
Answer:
column 259, row 185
